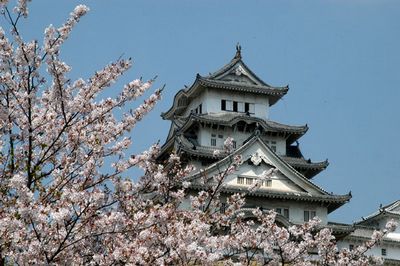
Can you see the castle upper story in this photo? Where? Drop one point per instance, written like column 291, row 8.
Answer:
column 233, row 102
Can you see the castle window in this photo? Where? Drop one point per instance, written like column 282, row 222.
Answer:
column 213, row 140
column 286, row 213
column 198, row 110
column 223, row 105
column 240, row 180
column 273, row 146
column 267, row 183
column 283, row 211
column 308, row 215
column 235, row 106
column 383, row 252
column 240, row 107
column 229, row 105
column 249, row 107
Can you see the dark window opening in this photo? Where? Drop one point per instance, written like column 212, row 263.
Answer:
column 223, row 105
column 235, row 106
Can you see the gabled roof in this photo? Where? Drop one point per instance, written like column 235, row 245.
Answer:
column 309, row 191
column 179, row 143
column 235, row 76
column 392, row 209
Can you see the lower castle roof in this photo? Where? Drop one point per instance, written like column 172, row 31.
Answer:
column 332, row 201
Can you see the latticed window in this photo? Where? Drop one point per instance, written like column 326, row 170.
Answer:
column 213, row 140
column 240, row 180
column 273, row 145
column 308, row 215
column 267, row 183
column 383, row 252
column 249, row 181
column 283, row 211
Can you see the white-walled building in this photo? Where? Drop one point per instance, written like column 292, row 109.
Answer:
column 234, row 102
column 389, row 248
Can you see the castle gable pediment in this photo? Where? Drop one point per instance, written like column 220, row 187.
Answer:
column 237, row 72
column 261, row 164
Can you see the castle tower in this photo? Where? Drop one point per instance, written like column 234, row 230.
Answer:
column 235, row 102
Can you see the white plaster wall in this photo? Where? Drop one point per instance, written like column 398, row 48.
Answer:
column 200, row 99
column 281, row 184
column 280, row 144
column 204, row 136
column 392, row 250
column 214, row 97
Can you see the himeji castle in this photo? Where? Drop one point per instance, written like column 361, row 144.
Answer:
column 234, row 102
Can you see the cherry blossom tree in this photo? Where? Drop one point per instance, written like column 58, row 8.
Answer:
column 60, row 203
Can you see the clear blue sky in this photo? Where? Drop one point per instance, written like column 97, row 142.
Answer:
column 340, row 58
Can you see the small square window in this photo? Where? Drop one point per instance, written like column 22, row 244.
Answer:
column 286, row 213
column 221, row 136
column 278, row 210
column 351, row 247
column 308, row 215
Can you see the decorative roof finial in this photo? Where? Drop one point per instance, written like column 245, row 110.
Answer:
column 238, row 54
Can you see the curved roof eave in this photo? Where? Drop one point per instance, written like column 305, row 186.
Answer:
column 268, row 125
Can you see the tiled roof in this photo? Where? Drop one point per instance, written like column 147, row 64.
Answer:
column 231, row 118
column 335, row 201
column 392, row 209
column 219, row 80
column 238, row 86
column 305, row 164
column 309, row 168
